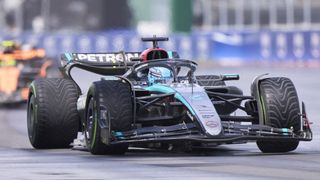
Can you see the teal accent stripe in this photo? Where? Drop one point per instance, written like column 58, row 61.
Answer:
column 69, row 56
column 166, row 89
column 285, row 131
column 180, row 98
column 170, row 54
column 118, row 135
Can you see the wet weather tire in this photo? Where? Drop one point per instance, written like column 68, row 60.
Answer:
column 52, row 117
column 281, row 110
column 114, row 98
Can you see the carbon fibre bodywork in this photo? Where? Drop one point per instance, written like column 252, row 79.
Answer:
column 184, row 110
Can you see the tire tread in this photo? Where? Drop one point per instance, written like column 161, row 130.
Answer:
column 282, row 111
column 57, row 116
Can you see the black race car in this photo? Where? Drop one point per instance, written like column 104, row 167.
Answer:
column 154, row 99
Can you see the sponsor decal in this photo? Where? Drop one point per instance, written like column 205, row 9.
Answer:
column 105, row 58
column 201, row 111
column 211, row 124
column 207, row 116
column 203, row 106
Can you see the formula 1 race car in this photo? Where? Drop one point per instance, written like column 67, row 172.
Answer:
column 154, row 99
column 18, row 68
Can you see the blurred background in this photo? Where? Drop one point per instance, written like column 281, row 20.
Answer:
column 223, row 32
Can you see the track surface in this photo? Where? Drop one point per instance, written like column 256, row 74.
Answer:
column 18, row 160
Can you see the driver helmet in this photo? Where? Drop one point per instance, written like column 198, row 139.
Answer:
column 159, row 75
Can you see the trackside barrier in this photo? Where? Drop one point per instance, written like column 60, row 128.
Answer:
column 244, row 46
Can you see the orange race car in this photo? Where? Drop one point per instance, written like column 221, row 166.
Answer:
column 18, row 68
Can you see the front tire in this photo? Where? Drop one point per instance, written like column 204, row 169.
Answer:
column 281, row 110
column 52, row 118
column 115, row 99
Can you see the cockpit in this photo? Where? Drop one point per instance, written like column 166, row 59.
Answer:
column 163, row 71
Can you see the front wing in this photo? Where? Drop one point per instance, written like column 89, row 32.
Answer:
column 232, row 133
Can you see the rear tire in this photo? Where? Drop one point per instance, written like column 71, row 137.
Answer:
column 281, row 110
column 52, row 117
column 115, row 98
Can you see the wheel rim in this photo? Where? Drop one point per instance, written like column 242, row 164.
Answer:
column 89, row 123
column 30, row 118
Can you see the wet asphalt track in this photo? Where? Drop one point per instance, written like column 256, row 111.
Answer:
column 19, row 161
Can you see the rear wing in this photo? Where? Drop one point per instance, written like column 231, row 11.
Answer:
column 114, row 63
column 101, row 59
